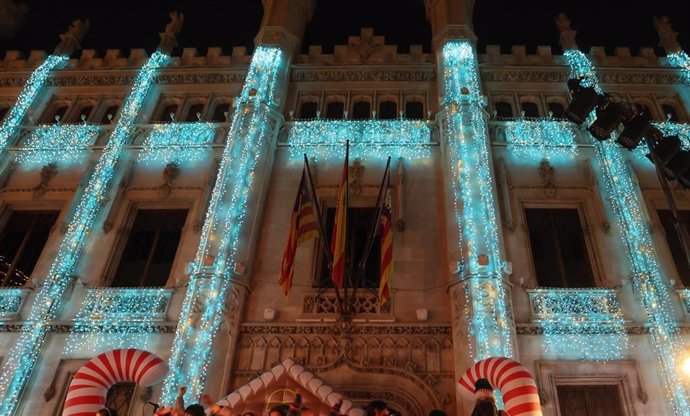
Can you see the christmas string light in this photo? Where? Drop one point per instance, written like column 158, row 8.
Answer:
column 112, row 318
column 464, row 125
column 177, row 142
column 26, row 98
column 647, row 279
column 580, row 324
column 377, row 139
column 681, row 60
column 544, row 139
column 682, row 130
column 11, row 300
column 253, row 128
column 65, row 144
column 23, row 355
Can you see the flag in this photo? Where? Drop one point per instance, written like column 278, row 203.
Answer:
column 303, row 227
column 385, row 231
column 339, row 228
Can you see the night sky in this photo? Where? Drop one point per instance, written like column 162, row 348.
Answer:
column 126, row 24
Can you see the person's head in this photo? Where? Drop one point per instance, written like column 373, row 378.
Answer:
column 194, row 410
column 483, row 389
column 106, row 412
column 280, row 410
column 377, row 408
column 437, row 412
column 485, row 407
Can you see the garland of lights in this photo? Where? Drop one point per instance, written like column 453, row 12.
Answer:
column 63, row 143
column 251, row 128
column 11, row 300
column 22, row 358
column 117, row 318
column 177, row 142
column 647, row 273
column 544, row 139
column 474, row 204
column 682, row 61
column 682, row 130
column 377, row 139
column 26, row 98
column 582, row 324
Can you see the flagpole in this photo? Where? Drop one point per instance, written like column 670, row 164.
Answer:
column 348, row 272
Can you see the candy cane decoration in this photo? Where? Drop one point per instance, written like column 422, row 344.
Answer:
column 89, row 387
column 519, row 391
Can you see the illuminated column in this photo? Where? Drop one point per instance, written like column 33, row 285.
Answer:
column 648, row 282
column 24, row 354
column 216, row 290
column 480, row 298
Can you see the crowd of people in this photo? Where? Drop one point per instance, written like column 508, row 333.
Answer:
column 485, row 405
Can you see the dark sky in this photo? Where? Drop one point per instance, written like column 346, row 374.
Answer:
column 129, row 24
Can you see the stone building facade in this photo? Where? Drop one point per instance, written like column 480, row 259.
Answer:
column 145, row 203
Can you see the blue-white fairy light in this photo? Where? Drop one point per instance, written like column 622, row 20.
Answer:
column 177, row 142
column 65, row 144
column 543, row 139
column 21, row 359
column 681, row 60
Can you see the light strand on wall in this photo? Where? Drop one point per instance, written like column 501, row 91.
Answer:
column 544, row 139
column 21, row 359
column 66, row 144
column 253, row 126
column 375, row 139
column 474, row 205
column 177, row 143
column 27, row 97
column 647, row 279
column 681, row 60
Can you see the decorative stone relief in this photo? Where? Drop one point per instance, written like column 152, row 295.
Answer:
column 48, row 172
column 170, row 173
column 355, row 172
column 546, row 171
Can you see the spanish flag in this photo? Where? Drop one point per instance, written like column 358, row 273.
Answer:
column 385, row 230
column 303, row 227
column 340, row 228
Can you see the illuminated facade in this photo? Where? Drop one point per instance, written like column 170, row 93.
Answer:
column 166, row 184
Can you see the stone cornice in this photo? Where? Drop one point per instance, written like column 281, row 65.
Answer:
column 351, row 329
column 557, row 74
column 417, row 73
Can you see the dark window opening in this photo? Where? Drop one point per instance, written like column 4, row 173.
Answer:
column 58, row 114
column 3, row 112
column 109, row 114
column 503, row 109
column 165, row 115
column 388, row 110
column 530, row 109
column 335, row 110
column 361, row 110
column 670, row 113
column 22, row 241
column 193, row 111
column 84, row 112
column 221, row 113
column 557, row 110
column 359, row 221
column 308, row 111
column 589, row 400
column 414, row 110
column 119, row 398
column 674, row 245
column 151, row 247
column 558, row 248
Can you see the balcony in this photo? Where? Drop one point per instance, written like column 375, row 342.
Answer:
column 124, row 306
column 537, row 137
column 11, row 302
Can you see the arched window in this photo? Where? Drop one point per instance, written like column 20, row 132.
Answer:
column 221, row 112
column 670, row 113
column 503, row 109
column 530, row 109
column 3, row 112
column 57, row 113
column 388, row 110
column 361, row 110
column 84, row 112
column 109, row 114
column 556, row 109
column 308, row 110
column 414, row 110
column 335, row 109
column 165, row 113
column 195, row 109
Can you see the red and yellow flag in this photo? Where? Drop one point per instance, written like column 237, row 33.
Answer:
column 303, row 227
column 339, row 228
column 386, row 232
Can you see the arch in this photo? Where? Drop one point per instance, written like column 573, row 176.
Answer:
column 221, row 110
column 388, row 109
column 414, row 109
column 194, row 106
column 529, row 108
column 335, row 109
column 308, row 110
column 166, row 106
column 58, row 108
column 671, row 112
column 503, row 108
column 556, row 107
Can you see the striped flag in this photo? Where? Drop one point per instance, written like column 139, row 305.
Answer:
column 385, row 231
column 340, row 228
column 303, row 227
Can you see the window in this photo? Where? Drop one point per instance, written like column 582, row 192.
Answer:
column 361, row 110
column 414, row 110
column 151, row 247
column 674, row 245
column 3, row 112
column 307, row 111
column 195, row 109
column 221, row 112
column 21, row 243
column 119, row 398
column 559, row 250
column 556, row 109
column 169, row 109
column 670, row 113
column 589, row 400
column 530, row 109
column 359, row 221
column 84, row 112
column 503, row 109
column 335, row 110
column 57, row 114
column 109, row 114
column 388, row 110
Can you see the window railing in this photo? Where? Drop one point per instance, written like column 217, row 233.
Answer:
column 542, row 136
column 64, row 143
column 125, row 305
column 326, row 302
column 11, row 301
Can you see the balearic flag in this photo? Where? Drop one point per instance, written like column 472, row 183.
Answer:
column 385, row 230
column 339, row 228
column 303, row 227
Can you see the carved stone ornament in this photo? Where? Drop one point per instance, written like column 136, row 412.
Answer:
column 567, row 33
column 48, row 172
column 355, row 178
column 170, row 173
column 172, row 29
column 546, row 171
column 71, row 39
column 668, row 39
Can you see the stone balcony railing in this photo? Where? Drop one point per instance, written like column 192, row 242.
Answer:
column 125, row 305
column 569, row 306
column 11, row 301
column 539, row 135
